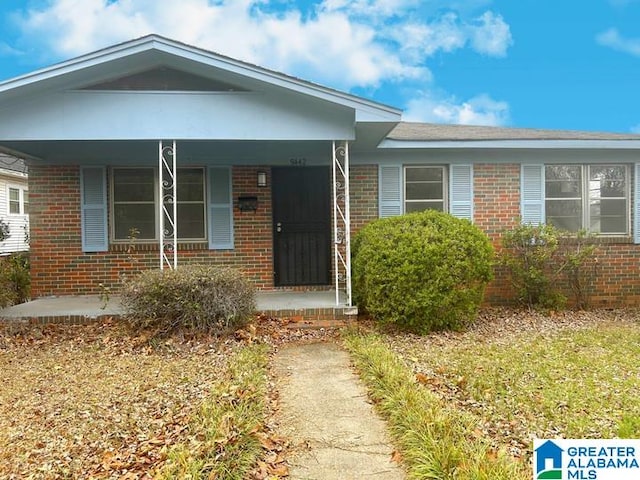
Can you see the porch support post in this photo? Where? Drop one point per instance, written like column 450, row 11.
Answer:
column 341, row 221
column 168, row 204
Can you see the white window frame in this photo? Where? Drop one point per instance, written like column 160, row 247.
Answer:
column 112, row 229
column 445, row 186
column 21, row 203
column 585, row 173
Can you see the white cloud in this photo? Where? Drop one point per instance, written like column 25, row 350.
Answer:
column 331, row 46
column 611, row 38
column 479, row 110
column 488, row 34
column 344, row 44
column 491, row 35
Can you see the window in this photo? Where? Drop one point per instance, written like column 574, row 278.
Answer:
column 424, row 188
column 18, row 201
column 191, row 203
column 134, row 200
column 591, row 197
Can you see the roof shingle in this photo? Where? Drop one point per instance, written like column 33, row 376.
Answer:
column 409, row 131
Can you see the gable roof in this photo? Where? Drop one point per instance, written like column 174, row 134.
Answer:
column 13, row 164
column 154, row 50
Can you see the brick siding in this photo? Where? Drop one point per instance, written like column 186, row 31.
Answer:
column 59, row 267
column 616, row 275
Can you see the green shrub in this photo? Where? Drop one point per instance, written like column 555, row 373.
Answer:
column 15, row 279
column 530, row 253
column 541, row 259
column 422, row 271
column 192, row 297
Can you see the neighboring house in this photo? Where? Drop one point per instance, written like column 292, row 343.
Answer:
column 14, row 204
column 273, row 172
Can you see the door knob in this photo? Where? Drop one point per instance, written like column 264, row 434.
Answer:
column 278, row 227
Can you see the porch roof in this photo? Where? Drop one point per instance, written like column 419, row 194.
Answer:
column 89, row 99
column 154, row 50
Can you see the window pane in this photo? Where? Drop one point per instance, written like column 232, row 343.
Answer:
column 14, row 200
column 139, row 216
column 609, row 216
column 426, row 191
column 191, row 221
column 607, row 181
column 25, row 201
column 564, row 214
column 563, row 181
column 424, row 174
column 420, row 206
column 190, row 185
column 133, row 185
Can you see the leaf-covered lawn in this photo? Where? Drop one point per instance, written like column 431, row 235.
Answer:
column 91, row 401
column 525, row 375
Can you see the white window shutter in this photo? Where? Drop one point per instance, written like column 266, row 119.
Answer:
column 532, row 194
column 390, row 190
column 93, row 209
column 461, row 191
column 636, row 204
column 220, row 208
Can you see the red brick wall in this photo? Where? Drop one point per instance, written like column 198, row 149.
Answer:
column 364, row 195
column 496, row 192
column 616, row 279
column 59, row 267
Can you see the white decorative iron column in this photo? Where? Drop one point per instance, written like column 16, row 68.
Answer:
column 168, row 204
column 341, row 221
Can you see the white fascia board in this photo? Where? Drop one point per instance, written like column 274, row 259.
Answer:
column 512, row 144
column 366, row 110
column 69, row 66
column 13, row 174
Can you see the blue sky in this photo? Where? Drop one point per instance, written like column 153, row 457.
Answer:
column 524, row 63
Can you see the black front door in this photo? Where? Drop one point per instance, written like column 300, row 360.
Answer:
column 301, row 226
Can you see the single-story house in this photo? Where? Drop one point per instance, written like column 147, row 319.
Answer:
column 14, row 204
column 205, row 158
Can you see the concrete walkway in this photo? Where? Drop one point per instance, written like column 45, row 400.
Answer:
column 323, row 406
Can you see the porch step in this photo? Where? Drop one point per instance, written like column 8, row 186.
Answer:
column 301, row 311
column 314, row 318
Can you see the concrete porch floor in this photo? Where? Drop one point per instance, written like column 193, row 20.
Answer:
column 315, row 308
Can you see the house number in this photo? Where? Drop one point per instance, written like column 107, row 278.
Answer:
column 298, row 161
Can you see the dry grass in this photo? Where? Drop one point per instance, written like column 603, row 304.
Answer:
column 99, row 401
column 91, row 401
column 525, row 375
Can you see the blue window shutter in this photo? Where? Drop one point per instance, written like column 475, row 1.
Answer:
column 532, row 194
column 220, row 208
column 390, row 190
column 93, row 209
column 461, row 191
column 636, row 204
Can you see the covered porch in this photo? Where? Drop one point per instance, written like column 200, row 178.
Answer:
column 205, row 158
column 309, row 309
